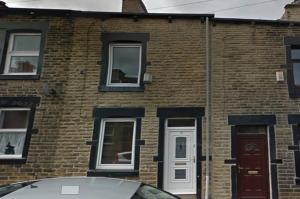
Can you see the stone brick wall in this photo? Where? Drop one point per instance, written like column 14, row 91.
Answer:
column 173, row 85
column 245, row 60
column 47, row 119
column 292, row 12
column 72, row 67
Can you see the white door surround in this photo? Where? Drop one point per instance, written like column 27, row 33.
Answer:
column 180, row 159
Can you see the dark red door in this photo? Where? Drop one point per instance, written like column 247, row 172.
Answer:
column 253, row 175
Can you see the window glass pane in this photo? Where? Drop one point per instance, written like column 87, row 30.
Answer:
column 295, row 53
column 13, row 119
column 125, row 64
column 181, row 122
column 23, row 64
column 117, row 146
column 180, row 147
column 180, row 174
column 26, row 43
column 12, row 143
column 252, row 129
column 296, row 72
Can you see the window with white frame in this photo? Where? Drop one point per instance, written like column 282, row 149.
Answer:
column 13, row 129
column 124, row 67
column 117, row 144
column 23, row 54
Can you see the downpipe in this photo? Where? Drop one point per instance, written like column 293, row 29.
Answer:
column 208, row 107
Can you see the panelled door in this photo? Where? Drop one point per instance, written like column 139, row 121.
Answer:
column 180, row 160
column 253, row 175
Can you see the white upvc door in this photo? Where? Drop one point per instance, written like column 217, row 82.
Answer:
column 180, row 160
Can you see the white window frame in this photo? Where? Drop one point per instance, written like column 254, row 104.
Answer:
column 19, row 130
column 100, row 146
column 10, row 53
column 110, row 62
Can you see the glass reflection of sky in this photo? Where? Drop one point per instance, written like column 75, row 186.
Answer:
column 127, row 60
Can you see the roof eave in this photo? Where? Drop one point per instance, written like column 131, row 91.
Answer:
column 61, row 12
column 256, row 21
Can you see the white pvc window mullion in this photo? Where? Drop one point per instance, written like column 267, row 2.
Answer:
column 14, row 109
column 13, row 130
column 24, row 54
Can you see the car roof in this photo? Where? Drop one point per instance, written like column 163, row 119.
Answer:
column 89, row 188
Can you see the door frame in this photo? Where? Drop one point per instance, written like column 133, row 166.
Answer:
column 269, row 121
column 192, row 130
column 179, row 112
column 257, row 136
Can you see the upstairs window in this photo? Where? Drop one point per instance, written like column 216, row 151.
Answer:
column 124, row 65
column 13, row 129
column 123, row 61
column 293, row 65
column 22, row 54
column 22, row 48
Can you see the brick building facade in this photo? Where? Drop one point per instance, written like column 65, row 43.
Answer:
column 67, row 79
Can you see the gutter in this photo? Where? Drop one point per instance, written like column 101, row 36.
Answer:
column 256, row 21
column 78, row 13
column 208, row 107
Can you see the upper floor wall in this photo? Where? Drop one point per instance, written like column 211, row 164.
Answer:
column 57, row 53
column 253, row 65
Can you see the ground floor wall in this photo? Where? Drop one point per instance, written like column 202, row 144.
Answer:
column 66, row 152
column 281, row 154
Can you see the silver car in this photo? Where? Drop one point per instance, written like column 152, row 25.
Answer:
column 82, row 188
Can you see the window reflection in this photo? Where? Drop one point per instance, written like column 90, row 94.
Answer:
column 296, row 73
column 125, row 66
column 180, row 147
column 13, row 128
column 27, row 43
column 117, row 144
column 180, row 174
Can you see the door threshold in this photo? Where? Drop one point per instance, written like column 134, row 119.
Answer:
column 188, row 196
column 183, row 193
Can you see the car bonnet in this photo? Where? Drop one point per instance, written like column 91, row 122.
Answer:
column 87, row 188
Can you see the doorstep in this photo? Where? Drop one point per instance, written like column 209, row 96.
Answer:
column 188, row 196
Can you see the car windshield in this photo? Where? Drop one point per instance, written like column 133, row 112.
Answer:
column 6, row 189
column 149, row 192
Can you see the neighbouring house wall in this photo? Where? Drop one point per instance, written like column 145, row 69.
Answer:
column 43, row 146
column 292, row 12
column 245, row 60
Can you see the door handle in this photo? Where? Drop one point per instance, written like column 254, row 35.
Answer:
column 194, row 159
